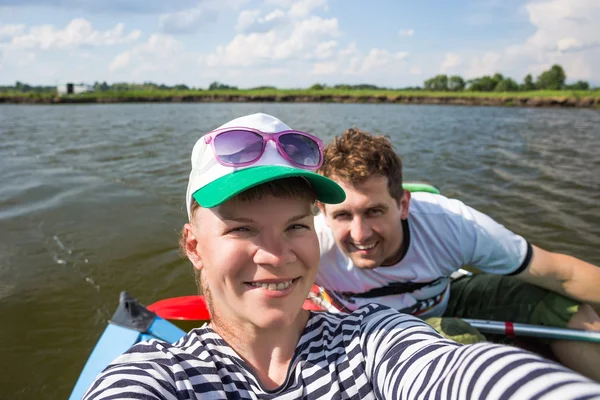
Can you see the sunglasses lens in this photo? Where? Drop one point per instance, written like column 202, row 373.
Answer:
column 301, row 149
column 237, row 147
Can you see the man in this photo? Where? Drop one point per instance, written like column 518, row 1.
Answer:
column 384, row 245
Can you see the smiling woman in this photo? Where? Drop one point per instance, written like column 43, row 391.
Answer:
column 251, row 238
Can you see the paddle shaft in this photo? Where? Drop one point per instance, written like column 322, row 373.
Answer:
column 516, row 329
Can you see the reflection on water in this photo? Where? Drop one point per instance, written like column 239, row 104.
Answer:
column 92, row 201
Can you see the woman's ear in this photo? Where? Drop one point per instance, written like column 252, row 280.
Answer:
column 191, row 246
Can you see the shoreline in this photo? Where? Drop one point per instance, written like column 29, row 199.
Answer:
column 480, row 100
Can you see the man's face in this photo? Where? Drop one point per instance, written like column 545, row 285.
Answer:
column 368, row 224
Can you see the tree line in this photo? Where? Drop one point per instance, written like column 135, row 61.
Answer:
column 552, row 79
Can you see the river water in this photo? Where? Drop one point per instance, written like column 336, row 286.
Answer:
column 92, row 201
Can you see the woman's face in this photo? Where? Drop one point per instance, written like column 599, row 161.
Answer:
column 258, row 258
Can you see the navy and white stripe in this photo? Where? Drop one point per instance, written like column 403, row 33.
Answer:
column 375, row 352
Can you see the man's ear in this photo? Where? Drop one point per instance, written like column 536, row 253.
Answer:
column 191, row 247
column 321, row 207
column 404, row 204
column 324, row 212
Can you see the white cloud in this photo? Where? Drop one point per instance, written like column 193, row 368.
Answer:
column 377, row 66
column 250, row 21
column 378, row 59
column 406, row 32
column 187, row 21
column 247, row 19
column 107, row 6
column 160, row 52
column 303, row 8
column 488, row 64
column 303, row 45
column 161, row 59
column 324, row 68
column 279, row 3
column 78, row 33
column 10, row 30
column 415, row 70
column 325, row 50
column 299, row 39
column 566, row 33
column 450, row 62
column 120, row 61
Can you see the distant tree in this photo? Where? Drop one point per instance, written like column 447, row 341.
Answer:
column 361, row 86
column 264, row 88
column 221, row 86
column 438, row 83
column 553, row 79
column 317, row 86
column 484, row 84
column 456, row 83
column 528, row 83
column 507, row 85
column 22, row 87
column 181, row 87
column 579, row 85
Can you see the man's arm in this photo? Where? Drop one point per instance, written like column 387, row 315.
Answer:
column 564, row 274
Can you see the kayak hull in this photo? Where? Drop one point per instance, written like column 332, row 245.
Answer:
column 119, row 336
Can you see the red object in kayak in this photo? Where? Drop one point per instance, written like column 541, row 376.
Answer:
column 182, row 308
column 194, row 308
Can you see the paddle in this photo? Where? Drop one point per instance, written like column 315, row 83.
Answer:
column 194, row 308
column 516, row 329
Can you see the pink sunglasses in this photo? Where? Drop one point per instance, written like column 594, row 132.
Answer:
column 240, row 147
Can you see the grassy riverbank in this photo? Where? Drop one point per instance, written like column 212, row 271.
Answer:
column 539, row 98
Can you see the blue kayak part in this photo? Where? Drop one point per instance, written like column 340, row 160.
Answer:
column 130, row 324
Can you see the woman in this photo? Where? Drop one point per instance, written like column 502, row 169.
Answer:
column 252, row 242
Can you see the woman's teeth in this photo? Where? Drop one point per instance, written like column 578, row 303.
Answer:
column 272, row 286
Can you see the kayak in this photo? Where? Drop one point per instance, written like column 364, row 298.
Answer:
column 132, row 323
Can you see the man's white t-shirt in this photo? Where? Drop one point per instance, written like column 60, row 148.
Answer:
column 442, row 236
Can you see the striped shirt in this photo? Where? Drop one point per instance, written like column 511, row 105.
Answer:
column 372, row 353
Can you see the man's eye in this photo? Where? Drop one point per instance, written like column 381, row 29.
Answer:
column 374, row 213
column 341, row 216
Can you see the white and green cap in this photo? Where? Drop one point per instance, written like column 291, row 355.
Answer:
column 212, row 183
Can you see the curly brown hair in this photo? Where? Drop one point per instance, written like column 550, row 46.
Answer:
column 357, row 155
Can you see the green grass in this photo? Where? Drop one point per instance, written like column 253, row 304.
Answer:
column 282, row 93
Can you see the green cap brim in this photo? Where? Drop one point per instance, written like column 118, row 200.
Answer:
column 236, row 182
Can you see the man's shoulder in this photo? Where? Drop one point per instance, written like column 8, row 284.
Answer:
column 430, row 204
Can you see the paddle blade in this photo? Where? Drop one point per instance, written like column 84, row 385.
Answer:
column 194, row 308
column 182, row 308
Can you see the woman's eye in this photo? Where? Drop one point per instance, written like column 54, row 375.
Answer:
column 297, row 227
column 239, row 229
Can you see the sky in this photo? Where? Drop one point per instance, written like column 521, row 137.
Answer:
column 294, row 44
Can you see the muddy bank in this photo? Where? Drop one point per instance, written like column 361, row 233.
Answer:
column 586, row 102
